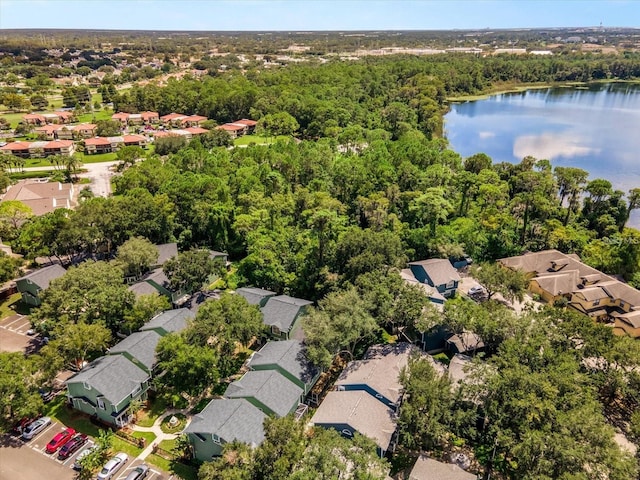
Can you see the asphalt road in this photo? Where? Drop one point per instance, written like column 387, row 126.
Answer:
column 19, row 461
column 99, row 173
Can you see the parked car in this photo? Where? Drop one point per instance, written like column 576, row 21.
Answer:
column 76, row 464
column 72, row 445
column 112, row 466
column 476, row 290
column 22, row 424
column 60, row 439
column 138, row 473
column 35, row 427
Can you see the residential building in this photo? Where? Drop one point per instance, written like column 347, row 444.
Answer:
column 113, row 144
column 437, row 273
column 354, row 411
column 39, row 149
column 288, row 357
column 466, row 342
column 173, row 119
column 223, row 421
column 33, row 284
column 268, row 390
column 169, row 321
column 427, row 468
column 560, row 278
column 157, row 281
column 255, row 296
column 146, row 118
column 282, row 314
column 107, row 387
column 250, row 125
column 193, row 121
column 139, row 348
column 378, row 373
column 44, row 118
column 166, row 251
column 42, row 197
column 431, row 292
column 233, row 129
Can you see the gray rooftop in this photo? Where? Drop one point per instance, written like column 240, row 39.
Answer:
column 440, row 270
column 230, row 420
column 44, row 276
column 143, row 288
column 141, row 346
column 170, row 320
column 253, row 295
column 166, row 251
column 268, row 387
column 290, row 355
column 427, row 468
column 360, row 411
column 380, row 369
column 113, row 376
column 282, row 311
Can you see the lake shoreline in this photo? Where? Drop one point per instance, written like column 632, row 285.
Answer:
column 523, row 87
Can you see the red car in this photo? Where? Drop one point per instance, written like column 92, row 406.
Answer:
column 60, row 439
column 72, row 445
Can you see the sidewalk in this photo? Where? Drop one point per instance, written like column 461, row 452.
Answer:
column 160, row 435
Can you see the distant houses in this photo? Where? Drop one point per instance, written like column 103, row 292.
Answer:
column 239, row 127
column 146, row 118
column 113, row 144
column 45, row 118
column 66, row 132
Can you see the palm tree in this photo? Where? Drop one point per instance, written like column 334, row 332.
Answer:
column 72, row 164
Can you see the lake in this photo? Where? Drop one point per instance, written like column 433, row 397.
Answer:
column 596, row 128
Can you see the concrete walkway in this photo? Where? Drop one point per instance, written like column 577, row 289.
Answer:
column 160, row 435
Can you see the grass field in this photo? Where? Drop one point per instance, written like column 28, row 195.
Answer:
column 9, row 306
column 178, row 469
column 95, row 116
column 249, row 139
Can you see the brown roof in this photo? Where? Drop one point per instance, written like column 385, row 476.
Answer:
column 593, row 293
column 133, row 138
column 147, row 115
column 194, row 118
column 42, row 197
column 172, row 116
column 248, row 123
column 230, row 127
column 196, row 130
column 631, row 318
column 97, row 141
column 427, row 468
column 59, row 144
column 361, row 411
column 16, row 146
column 559, row 283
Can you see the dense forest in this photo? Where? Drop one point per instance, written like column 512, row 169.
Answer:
column 364, row 183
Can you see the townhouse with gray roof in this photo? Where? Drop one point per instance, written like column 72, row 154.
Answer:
column 255, row 296
column 354, row 411
column 33, row 284
column 437, row 273
column 169, row 321
column 140, row 348
column 268, row 390
column 224, row 421
column 378, row 373
column 282, row 314
column 107, row 387
column 288, row 357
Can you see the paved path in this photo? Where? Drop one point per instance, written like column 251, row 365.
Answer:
column 99, row 173
column 160, row 435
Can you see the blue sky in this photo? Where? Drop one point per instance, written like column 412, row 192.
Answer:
column 315, row 14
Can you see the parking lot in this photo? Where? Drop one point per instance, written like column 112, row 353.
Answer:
column 13, row 335
column 27, row 460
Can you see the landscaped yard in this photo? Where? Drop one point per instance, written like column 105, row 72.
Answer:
column 13, row 305
column 13, row 118
column 147, row 416
column 180, row 470
column 95, row 116
column 166, row 426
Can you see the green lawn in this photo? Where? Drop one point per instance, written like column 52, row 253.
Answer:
column 120, row 445
column 149, row 437
column 248, row 139
column 69, row 417
column 168, row 445
column 180, row 470
column 147, row 416
column 13, row 118
column 95, row 116
column 13, row 305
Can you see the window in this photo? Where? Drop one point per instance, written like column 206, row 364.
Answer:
column 100, row 403
column 596, row 302
column 275, row 330
column 86, row 386
column 622, row 305
column 451, row 284
column 216, row 439
column 200, row 437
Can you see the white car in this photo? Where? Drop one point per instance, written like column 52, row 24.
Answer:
column 35, row 428
column 476, row 290
column 112, row 466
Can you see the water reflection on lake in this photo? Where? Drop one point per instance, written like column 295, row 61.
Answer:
column 595, row 128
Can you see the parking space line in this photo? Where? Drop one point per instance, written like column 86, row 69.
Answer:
column 35, row 439
column 12, row 322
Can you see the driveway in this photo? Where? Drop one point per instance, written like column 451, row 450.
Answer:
column 100, row 175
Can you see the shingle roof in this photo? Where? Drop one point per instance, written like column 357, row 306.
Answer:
column 230, row 420
column 380, row 369
column 170, row 320
column 466, row 341
column 141, row 346
column 166, row 251
column 269, row 387
column 281, row 311
column 44, row 276
column 113, row 376
column 359, row 410
column 254, row 295
column 290, row 355
column 142, row 288
column 429, row 469
column 440, row 270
